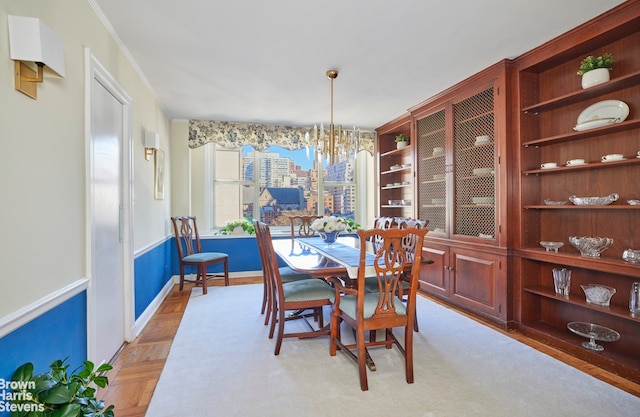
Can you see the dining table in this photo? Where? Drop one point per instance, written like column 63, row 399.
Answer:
column 311, row 255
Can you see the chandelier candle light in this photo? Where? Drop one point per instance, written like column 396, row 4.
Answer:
column 336, row 145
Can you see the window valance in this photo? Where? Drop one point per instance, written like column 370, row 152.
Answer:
column 233, row 135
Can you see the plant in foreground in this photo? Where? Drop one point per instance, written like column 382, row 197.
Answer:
column 56, row 393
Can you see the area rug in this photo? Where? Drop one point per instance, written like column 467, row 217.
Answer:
column 222, row 364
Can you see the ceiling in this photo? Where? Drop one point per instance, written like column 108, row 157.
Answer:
column 265, row 61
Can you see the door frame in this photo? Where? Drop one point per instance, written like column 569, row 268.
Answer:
column 94, row 70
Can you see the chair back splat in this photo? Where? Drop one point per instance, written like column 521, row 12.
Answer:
column 185, row 230
column 367, row 311
column 301, row 226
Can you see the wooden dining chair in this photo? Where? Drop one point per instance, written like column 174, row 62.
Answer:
column 301, row 226
column 190, row 253
column 286, row 274
column 300, row 295
column 367, row 311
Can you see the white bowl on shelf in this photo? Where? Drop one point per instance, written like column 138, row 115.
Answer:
column 482, row 171
column 482, row 200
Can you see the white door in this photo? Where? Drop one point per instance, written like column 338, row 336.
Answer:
column 107, row 308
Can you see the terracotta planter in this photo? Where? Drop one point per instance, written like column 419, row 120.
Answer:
column 595, row 77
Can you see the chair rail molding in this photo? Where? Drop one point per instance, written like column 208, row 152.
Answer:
column 34, row 310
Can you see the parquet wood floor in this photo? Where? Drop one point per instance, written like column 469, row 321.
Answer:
column 138, row 365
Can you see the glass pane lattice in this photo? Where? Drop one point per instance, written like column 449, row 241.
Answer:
column 474, row 162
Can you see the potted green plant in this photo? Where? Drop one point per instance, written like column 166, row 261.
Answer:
column 595, row 69
column 235, row 226
column 57, row 394
column 402, row 140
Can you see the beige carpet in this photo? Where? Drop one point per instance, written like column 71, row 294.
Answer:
column 222, row 364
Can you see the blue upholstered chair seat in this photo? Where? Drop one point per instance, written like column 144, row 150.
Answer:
column 287, row 274
column 348, row 305
column 204, row 257
column 307, row 290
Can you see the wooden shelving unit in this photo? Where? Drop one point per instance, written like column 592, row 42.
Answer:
column 549, row 97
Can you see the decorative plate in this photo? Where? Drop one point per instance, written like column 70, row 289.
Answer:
column 601, row 114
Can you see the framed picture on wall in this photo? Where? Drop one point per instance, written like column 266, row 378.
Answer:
column 159, row 175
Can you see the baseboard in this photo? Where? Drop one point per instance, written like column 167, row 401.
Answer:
column 153, row 307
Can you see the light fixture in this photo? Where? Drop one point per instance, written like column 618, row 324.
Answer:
column 31, row 40
column 151, row 144
column 336, row 145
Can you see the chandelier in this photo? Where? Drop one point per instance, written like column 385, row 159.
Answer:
column 335, row 145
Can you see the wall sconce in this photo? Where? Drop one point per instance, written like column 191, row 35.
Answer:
column 31, row 40
column 151, row 144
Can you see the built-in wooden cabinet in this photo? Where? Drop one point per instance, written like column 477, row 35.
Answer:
column 486, row 252
column 460, row 185
column 549, row 98
column 395, row 167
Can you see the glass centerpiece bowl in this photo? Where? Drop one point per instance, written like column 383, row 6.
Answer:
column 591, row 247
column 593, row 332
column 551, row 246
column 329, row 227
column 598, row 294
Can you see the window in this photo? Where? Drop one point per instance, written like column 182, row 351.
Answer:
column 271, row 184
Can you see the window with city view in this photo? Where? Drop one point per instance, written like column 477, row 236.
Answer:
column 277, row 183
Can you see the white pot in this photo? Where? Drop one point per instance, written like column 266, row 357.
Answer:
column 400, row 145
column 595, row 77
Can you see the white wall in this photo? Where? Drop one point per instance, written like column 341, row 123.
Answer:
column 42, row 157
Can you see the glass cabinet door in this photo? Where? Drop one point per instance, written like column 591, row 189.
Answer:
column 432, row 171
column 474, row 166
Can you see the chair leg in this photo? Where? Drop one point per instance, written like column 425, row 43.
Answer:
column 362, row 360
column 269, row 301
column 274, row 308
column 280, row 336
column 415, row 323
column 181, row 277
column 203, row 274
column 226, row 272
column 335, row 334
column 408, row 354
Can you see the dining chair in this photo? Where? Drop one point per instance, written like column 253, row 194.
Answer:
column 366, row 311
column 287, row 274
column 383, row 222
column 409, row 243
column 301, row 226
column 190, row 253
column 299, row 295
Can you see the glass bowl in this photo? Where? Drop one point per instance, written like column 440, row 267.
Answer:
column 631, row 255
column 554, row 203
column 591, row 247
column 552, row 246
column 598, row 294
column 594, row 201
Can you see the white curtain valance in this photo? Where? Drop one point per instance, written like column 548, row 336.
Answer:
column 232, row 135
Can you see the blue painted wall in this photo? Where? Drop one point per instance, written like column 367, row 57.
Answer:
column 42, row 341
column 243, row 253
column 151, row 271
column 59, row 333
